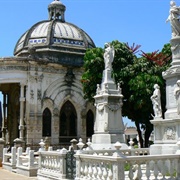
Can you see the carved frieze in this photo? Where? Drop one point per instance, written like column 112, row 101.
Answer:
column 36, row 78
column 171, row 71
column 9, row 68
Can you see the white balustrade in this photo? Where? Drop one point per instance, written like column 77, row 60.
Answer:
column 27, row 164
column 139, row 167
column 52, row 164
column 9, row 159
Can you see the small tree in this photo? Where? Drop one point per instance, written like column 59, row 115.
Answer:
column 137, row 76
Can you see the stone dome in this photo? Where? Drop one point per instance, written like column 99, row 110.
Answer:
column 54, row 39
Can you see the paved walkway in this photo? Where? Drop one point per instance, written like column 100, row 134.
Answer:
column 6, row 175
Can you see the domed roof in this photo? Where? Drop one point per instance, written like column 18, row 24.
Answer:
column 54, row 37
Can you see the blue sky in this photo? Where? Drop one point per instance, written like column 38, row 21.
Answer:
column 134, row 21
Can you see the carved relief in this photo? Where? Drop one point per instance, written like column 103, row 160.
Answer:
column 39, row 94
column 69, row 76
column 113, row 107
column 56, row 112
column 169, row 133
column 36, row 78
column 100, row 107
column 32, row 94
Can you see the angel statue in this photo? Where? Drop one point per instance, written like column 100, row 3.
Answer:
column 174, row 16
column 156, row 101
column 108, row 56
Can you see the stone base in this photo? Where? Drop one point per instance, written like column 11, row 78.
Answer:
column 8, row 166
column 107, row 141
column 157, row 149
column 30, row 172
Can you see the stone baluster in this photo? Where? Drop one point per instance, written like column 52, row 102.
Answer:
column 130, row 175
column 19, row 153
column 90, row 172
column 105, row 173
column 86, row 169
column 100, row 171
column 139, row 172
column 95, row 172
column 177, row 168
column 155, row 170
column 171, row 168
column 148, row 172
column 163, row 169
column 110, row 174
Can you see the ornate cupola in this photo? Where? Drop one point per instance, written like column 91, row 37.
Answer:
column 55, row 39
column 56, row 10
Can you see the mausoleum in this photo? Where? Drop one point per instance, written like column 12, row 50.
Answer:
column 41, row 84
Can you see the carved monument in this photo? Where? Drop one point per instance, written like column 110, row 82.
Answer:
column 166, row 130
column 108, row 127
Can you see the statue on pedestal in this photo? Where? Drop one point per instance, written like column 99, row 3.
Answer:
column 177, row 96
column 156, row 101
column 108, row 56
column 174, row 16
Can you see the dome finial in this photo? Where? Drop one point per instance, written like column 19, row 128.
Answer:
column 56, row 10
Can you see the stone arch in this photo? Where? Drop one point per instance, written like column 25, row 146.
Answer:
column 89, row 124
column 67, row 122
column 46, row 123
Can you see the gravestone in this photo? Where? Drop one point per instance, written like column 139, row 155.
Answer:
column 108, row 127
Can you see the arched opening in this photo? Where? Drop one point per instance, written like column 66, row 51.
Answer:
column 46, row 125
column 68, row 122
column 10, row 111
column 89, row 124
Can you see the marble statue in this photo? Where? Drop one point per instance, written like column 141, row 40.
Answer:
column 156, row 101
column 177, row 95
column 108, row 56
column 174, row 16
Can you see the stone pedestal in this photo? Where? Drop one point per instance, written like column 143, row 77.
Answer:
column 167, row 131
column 109, row 127
column 166, row 136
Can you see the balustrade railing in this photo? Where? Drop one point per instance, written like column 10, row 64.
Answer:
column 52, row 164
column 9, row 159
column 122, row 167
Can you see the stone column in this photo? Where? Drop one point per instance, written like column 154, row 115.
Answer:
column 4, row 123
column 22, row 100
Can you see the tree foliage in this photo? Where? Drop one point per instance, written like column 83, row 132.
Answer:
column 137, row 76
